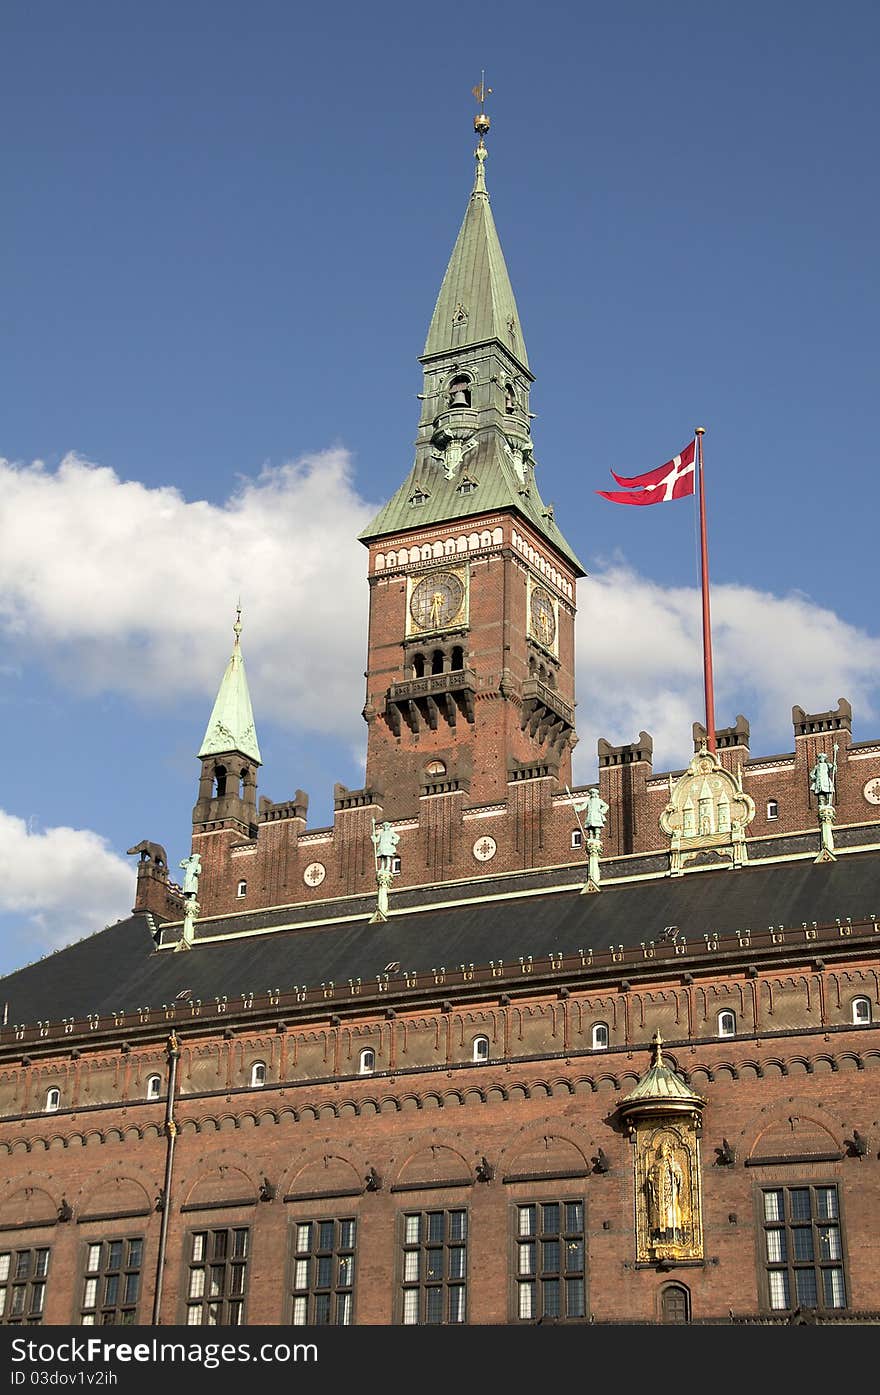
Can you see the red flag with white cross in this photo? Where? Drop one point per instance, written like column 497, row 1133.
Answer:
column 674, row 480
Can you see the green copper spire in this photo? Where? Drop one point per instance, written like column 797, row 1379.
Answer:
column 231, row 727
column 476, row 301
column 474, row 452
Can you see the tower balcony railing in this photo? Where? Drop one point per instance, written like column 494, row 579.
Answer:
column 424, row 702
column 534, row 691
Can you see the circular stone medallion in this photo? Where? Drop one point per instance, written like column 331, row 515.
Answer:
column 485, row 849
column 872, row 790
column 314, row 874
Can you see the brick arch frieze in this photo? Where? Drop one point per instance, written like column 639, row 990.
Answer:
column 778, row 1110
column 419, row 1143
column 565, row 1130
column 209, row 1162
column 323, row 1152
column 129, row 1171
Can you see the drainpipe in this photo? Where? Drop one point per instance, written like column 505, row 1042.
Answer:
column 173, row 1053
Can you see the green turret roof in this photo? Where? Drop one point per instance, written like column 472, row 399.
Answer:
column 231, row 727
column 477, row 284
column 661, row 1084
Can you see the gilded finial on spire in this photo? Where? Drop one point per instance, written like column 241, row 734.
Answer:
column 236, row 629
column 658, row 1043
column 481, row 126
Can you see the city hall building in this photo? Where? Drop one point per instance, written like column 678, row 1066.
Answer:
column 487, row 1050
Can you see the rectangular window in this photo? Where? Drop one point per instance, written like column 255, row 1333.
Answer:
column 323, row 1273
column 23, row 1275
column 111, row 1282
column 434, row 1268
column 549, row 1260
column 803, row 1251
column 217, row 1283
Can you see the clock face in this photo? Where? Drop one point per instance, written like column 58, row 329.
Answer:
column 542, row 618
column 436, row 601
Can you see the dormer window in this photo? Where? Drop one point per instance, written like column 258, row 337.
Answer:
column 466, row 487
column 419, row 499
column 460, row 392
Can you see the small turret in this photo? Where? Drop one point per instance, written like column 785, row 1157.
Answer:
column 229, row 752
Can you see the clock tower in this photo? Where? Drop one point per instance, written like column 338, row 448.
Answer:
column 470, row 670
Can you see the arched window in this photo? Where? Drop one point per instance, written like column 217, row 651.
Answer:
column 435, row 768
column 600, row 1036
column 481, row 1049
column 367, row 1061
column 861, row 1011
column 460, row 391
column 219, row 781
column 242, row 889
column 437, row 661
column 154, row 1087
column 727, row 1024
column 242, row 782
column 675, row 1304
column 772, row 809
column 509, row 398
column 258, row 1074
column 418, row 665
column 457, row 659
column 53, row 1101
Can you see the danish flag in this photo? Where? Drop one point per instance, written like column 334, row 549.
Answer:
column 673, row 480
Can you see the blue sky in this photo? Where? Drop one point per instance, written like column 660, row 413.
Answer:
column 224, row 230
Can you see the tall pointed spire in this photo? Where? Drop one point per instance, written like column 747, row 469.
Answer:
column 231, row 725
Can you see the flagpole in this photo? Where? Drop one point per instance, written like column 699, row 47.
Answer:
column 708, row 684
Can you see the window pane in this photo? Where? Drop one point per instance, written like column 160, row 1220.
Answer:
column 218, row 1272
column 527, row 1220
column 411, row 1305
column 574, row 1256
column 458, row 1225
column 41, row 1264
column 805, row 1282
column 550, row 1297
column 826, row 1203
column 236, row 1279
column 527, row 1258
column 574, row 1216
column 322, row 1309
column 550, row 1218
column 88, row 1319
column 773, row 1210
column 411, row 1266
column 299, row 1312
column 832, row 1283
column 829, row 1242
column 434, row 1264
column 434, row 1305
column 135, row 1253
column 196, row 1283
column 132, row 1287
column 776, row 1249
column 38, row 1296
column 325, row 1235
column 435, row 1225
column 4, row 1267
column 802, row 1242
column 239, row 1244
column 114, row 1254
column 218, row 1248
column 236, row 1311
column 323, row 1275
column 456, row 1303
column 574, row 1297
column 346, row 1271
column 303, row 1233
column 526, row 1300
column 343, row 1309
column 111, row 1291
column 194, row 1317
column 23, row 1264
column 550, row 1256
column 457, row 1262
column 778, row 1288
column 93, row 1259
column 413, row 1228
column 799, row 1203
column 301, row 1274
column 347, row 1232
column 198, row 1247
column 90, row 1293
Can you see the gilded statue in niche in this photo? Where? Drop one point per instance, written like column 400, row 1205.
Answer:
column 668, row 1194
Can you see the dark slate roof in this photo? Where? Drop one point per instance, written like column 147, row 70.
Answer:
column 120, row 968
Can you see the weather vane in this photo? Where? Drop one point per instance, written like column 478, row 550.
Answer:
column 481, row 120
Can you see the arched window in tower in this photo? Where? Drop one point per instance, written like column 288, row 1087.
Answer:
column 600, row 1036
column 367, row 1061
column 481, row 1049
column 861, row 1011
column 675, row 1304
column 53, row 1101
column 258, row 1074
column 727, row 1024
column 154, row 1087
column 418, row 666
column 510, row 403
column 457, row 659
column 435, row 769
column 219, row 781
column 460, row 391
column 242, row 782
column 437, row 661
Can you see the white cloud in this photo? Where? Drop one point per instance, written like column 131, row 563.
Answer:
column 120, row 587
column 640, row 664
column 58, row 884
